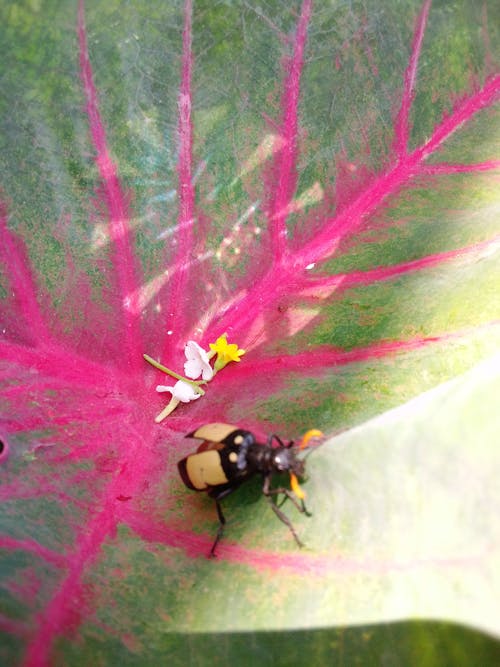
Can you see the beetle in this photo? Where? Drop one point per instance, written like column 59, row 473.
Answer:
column 230, row 455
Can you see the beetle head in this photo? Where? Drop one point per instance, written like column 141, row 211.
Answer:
column 310, row 440
column 285, row 458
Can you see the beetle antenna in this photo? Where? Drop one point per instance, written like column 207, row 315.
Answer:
column 313, row 434
column 311, row 441
column 280, row 442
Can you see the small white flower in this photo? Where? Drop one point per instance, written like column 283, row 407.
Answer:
column 197, row 362
column 182, row 391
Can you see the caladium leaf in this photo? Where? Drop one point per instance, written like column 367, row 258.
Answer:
column 320, row 183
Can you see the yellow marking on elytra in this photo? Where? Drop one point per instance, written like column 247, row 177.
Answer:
column 238, row 440
column 205, row 469
column 233, row 457
column 216, row 432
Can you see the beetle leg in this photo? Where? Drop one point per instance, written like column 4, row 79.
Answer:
column 288, row 494
column 304, row 509
column 268, row 492
column 220, row 530
column 218, row 493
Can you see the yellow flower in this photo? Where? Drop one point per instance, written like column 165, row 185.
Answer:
column 225, row 351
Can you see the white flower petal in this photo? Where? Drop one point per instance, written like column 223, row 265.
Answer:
column 181, row 390
column 184, row 392
column 162, row 387
column 194, row 351
column 208, row 372
column 197, row 362
column 192, row 368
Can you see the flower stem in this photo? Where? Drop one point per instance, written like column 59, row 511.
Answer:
column 174, row 402
column 194, row 383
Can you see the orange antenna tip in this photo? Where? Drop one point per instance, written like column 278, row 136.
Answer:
column 294, row 483
column 313, row 433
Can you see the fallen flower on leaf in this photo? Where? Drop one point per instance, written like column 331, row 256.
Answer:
column 182, row 392
column 225, row 351
column 198, row 362
column 161, row 367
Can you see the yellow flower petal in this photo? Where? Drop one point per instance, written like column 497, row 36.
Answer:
column 233, row 353
column 219, row 345
column 226, row 352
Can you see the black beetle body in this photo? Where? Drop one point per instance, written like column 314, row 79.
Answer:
column 229, row 456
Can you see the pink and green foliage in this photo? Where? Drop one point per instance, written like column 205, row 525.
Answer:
column 320, row 181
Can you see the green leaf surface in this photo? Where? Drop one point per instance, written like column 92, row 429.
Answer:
column 404, row 527
column 319, row 181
